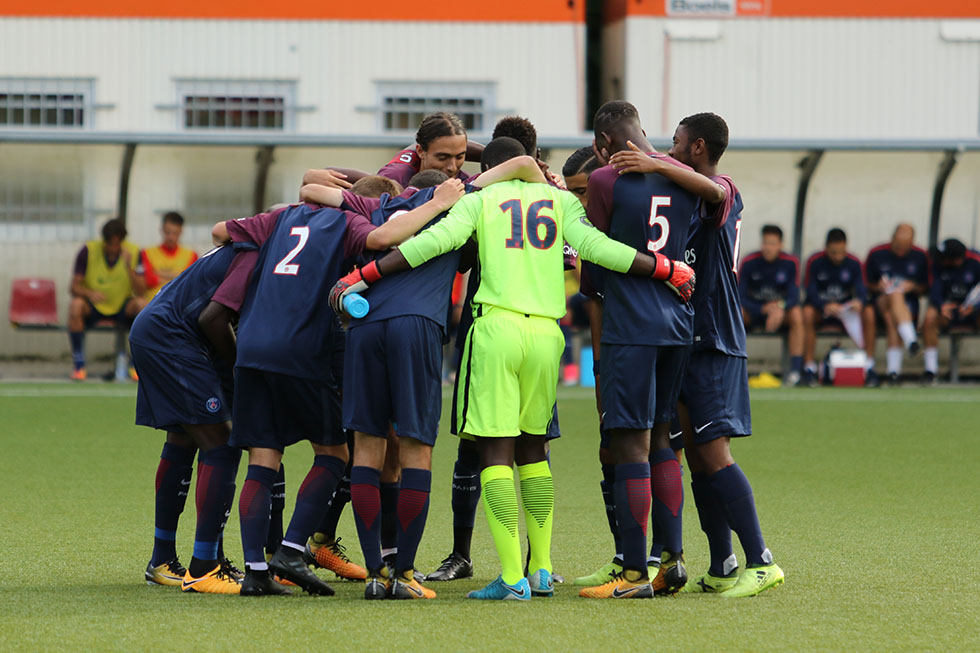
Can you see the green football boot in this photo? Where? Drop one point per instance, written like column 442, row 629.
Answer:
column 603, row 575
column 754, row 580
column 708, row 584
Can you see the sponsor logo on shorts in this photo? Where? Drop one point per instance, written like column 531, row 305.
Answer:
column 213, row 404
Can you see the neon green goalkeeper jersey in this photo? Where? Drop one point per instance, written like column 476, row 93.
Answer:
column 519, row 228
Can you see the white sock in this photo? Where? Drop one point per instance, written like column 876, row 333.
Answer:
column 893, row 358
column 811, row 366
column 257, row 566
column 293, row 545
column 387, row 552
column 931, row 355
column 869, row 364
column 907, row 331
column 730, row 564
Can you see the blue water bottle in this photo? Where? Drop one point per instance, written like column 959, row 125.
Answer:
column 356, row 305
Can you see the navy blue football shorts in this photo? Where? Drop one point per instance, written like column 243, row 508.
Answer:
column 716, row 393
column 119, row 319
column 273, row 411
column 393, row 373
column 639, row 384
column 175, row 390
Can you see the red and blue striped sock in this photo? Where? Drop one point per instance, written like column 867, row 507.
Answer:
column 365, row 495
column 172, row 482
column 668, row 499
column 632, row 491
column 341, row 497
column 413, row 508
column 216, row 471
column 254, row 508
column 312, row 500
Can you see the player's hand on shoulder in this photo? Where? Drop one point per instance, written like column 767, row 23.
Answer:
column 328, row 178
column 449, row 192
column 633, row 160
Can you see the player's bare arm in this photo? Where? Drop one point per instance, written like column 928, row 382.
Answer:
column 215, row 323
column 333, row 177
column 78, row 289
column 396, row 231
column 635, row 160
column 322, row 195
column 219, row 234
column 524, row 168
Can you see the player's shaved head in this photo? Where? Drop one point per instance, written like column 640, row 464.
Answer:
column 521, row 130
column 902, row 239
column 376, row 186
column 615, row 123
column 428, row 178
column 499, row 150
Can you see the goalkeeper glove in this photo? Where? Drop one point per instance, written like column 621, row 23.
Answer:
column 357, row 281
column 678, row 276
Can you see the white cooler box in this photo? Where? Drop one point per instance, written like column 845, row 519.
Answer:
column 846, row 367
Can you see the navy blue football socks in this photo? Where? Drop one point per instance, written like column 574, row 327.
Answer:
column 389, row 517
column 365, row 496
column 668, row 498
column 606, row 485
column 77, row 340
column 632, row 491
column 732, row 489
column 413, row 508
column 172, row 483
column 713, row 522
column 465, row 497
column 274, row 538
column 216, row 471
column 796, row 364
column 254, row 508
column 341, row 497
column 312, row 499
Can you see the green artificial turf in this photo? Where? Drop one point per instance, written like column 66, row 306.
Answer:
column 867, row 498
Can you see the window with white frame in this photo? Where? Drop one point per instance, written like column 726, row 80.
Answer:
column 236, row 104
column 402, row 105
column 45, row 102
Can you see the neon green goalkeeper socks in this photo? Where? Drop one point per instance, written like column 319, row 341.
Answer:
column 538, row 497
column 500, row 503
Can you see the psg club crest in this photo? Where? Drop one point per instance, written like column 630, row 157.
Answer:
column 213, row 405
column 845, row 276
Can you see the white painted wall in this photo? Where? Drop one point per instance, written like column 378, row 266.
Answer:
column 805, row 78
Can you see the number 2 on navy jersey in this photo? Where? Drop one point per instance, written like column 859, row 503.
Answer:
column 534, row 221
column 284, row 266
column 659, row 220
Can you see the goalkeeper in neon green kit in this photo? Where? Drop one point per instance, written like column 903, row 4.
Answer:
column 509, row 373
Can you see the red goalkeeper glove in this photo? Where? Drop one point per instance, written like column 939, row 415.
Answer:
column 678, row 276
column 357, row 281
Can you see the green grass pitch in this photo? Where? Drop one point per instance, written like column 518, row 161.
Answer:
column 868, row 499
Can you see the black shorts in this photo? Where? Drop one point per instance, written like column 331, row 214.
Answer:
column 119, row 319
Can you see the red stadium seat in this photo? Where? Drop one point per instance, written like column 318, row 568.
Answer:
column 33, row 304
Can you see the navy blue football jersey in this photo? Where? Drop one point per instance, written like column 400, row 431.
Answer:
column 761, row 281
column 951, row 285
column 652, row 214
column 169, row 322
column 827, row 283
column 883, row 263
column 287, row 325
column 712, row 250
column 425, row 290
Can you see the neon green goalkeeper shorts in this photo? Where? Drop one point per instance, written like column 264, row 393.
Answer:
column 509, row 375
